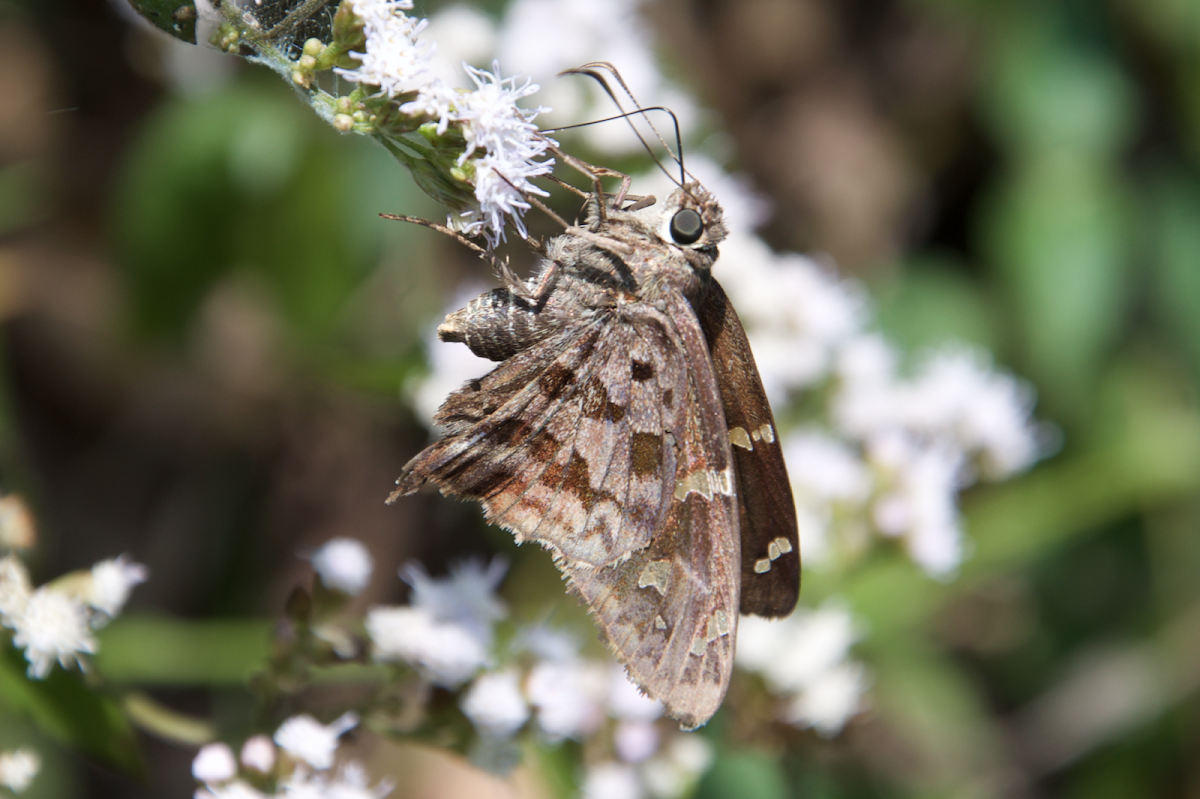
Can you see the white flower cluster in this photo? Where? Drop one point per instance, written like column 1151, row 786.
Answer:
column 489, row 118
column 395, row 59
column 306, row 770
column 344, row 564
column 555, row 693
column 805, row 658
column 446, row 632
column 891, row 452
column 55, row 623
column 18, row 768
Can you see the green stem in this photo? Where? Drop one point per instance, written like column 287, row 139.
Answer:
column 167, row 724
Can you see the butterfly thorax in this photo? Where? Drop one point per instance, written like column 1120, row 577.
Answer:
column 619, row 258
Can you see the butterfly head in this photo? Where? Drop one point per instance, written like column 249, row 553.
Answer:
column 691, row 219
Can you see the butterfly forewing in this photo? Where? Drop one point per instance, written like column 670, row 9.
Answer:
column 770, row 566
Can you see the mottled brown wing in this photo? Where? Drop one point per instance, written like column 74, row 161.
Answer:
column 670, row 611
column 607, row 444
column 561, row 443
column 770, row 568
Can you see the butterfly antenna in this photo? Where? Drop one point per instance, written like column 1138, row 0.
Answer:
column 593, row 70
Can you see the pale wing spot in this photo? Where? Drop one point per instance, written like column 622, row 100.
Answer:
column 696, row 481
column 739, row 438
column 756, row 434
column 656, row 573
column 762, row 565
column 705, row 484
column 773, row 551
column 717, row 627
column 767, row 433
column 783, row 545
column 660, row 623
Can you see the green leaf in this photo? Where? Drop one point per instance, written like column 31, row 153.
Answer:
column 151, row 651
column 932, row 706
column 247, row 183
column 1060, row 234
column 67, row 710
column 746, row 775
column 934, row 302
column 1175, row 233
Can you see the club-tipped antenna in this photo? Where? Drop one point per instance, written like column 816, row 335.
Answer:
column 592, row 70
column 625, row 115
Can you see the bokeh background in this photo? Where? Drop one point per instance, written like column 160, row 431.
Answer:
column 208, row 333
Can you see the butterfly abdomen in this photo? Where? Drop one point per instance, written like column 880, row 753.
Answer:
column 496, row 325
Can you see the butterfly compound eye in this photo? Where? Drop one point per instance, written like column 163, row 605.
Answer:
column 686, row 226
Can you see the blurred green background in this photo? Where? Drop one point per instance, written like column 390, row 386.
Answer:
column 207, row 331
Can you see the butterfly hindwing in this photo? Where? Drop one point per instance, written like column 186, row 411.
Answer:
column 770, row 567
column 606, row 445
column 670, row 611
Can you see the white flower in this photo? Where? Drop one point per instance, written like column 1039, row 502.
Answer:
column 825, row 468
column 831, row 700
column 466, row 597
column 214, row 763
column 612, row 781
column 112, row 582
column 237, row 789
column 446, row 652
column 795, row 311
column 18, row 768
column 569, row 697
column 866, row 359
column 15, row 588
column 792, row 653
column 550, row 643
column 436, row 100
column 306, row 739
column 804, row 659
column 635, row 741
column 51, row 627
column 494, row 704
column 957, row 393
column 258, row 753
column 816, row 641
column 626, row 700
column 501, row 185
column 344, row 564
column 492, row 120
column 350, row 782
column 395, row 59
column 670, row 773
column 921, row 502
